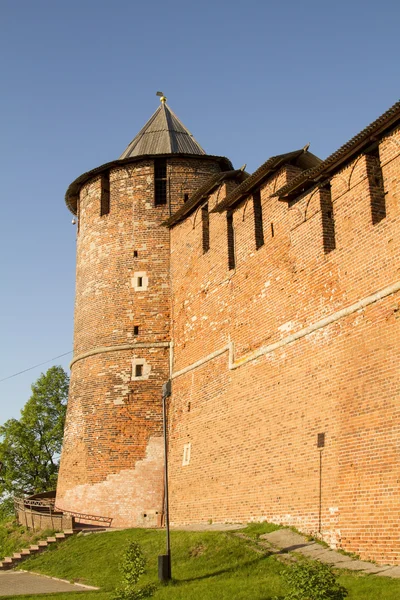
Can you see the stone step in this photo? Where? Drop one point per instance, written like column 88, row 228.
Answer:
column 9, row 561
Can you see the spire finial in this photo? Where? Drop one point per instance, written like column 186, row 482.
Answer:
column 163, row 99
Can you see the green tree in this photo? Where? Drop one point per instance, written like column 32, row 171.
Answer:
column 132, row 568
column 30, row 447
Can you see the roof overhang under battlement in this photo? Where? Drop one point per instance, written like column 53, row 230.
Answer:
column 362, row 142
column 72, row 193
column 300, row 158
column 203, row 193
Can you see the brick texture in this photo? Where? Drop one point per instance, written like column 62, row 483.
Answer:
column 112, row 456
column 281, row 341
column 253, row 429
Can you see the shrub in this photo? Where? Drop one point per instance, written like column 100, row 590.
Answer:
column 309, row 580
column 132, row 568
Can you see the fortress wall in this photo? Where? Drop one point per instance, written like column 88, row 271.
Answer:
column 112, row 459
column 252, row 425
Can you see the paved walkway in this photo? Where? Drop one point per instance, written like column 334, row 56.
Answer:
column 285, row 540
column 16, row 583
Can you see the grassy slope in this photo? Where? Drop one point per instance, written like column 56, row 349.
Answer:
column 14, row 537
column 205, row 566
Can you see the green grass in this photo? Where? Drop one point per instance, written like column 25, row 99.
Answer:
column 205, row 566
column 254, row 530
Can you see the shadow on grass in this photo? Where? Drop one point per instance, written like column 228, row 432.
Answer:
column 224, row 571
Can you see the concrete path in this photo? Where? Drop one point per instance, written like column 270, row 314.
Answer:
column 16, row 583
column 285, row 540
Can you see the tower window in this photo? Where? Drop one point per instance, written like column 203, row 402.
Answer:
column 258, row 223
column 140, row 369
column 160, row 181
column 105, row 194
column 136, row 330
column 205, row 223
column 140, row 281
column 231, row 241
column 135, row 254
column 185, row 197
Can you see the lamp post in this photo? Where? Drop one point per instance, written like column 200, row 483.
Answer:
column 164, row 560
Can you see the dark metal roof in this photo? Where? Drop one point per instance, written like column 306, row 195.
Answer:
column 301, row 158
column 163, row 134
column 347, row 152
column 202, row 193
column 72, row 193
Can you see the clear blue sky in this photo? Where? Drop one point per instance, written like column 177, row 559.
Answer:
column 249, row 79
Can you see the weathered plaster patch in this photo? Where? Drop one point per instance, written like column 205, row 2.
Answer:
column 125, row 496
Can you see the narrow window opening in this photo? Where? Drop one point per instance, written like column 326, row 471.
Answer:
column 376, row 187
column 185, row 197
column 328, row 222
column 105, row 194
column 135, row 254
column 272, row 230
column 258, row 224
column 321, row 440
column 136, row 329
column 140, row 282
column 138, row 370
column 205, row 223
column 160, row 181
column 231, row 241
column 78, row 213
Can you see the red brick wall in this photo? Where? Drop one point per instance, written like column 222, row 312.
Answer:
column 253, row 427
column 112, row 457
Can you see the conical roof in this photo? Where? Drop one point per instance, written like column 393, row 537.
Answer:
column 163, row 134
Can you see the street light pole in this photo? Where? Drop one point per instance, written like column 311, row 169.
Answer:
column 164, row 560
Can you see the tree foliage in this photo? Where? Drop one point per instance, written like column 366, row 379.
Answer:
column 132, row 568
column 30, row 447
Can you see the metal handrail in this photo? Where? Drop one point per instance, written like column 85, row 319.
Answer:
column 49, row 504
column 84, row 516
column 25, row 502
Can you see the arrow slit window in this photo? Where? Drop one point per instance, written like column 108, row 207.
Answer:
column 160, row 181
column 105, row 194
column 205, row 222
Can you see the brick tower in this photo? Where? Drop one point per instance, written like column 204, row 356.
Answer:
column 112, row 459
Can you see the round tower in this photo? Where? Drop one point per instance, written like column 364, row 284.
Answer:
column 112, row 458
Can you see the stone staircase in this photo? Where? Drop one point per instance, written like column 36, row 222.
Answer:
column 9, row 562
